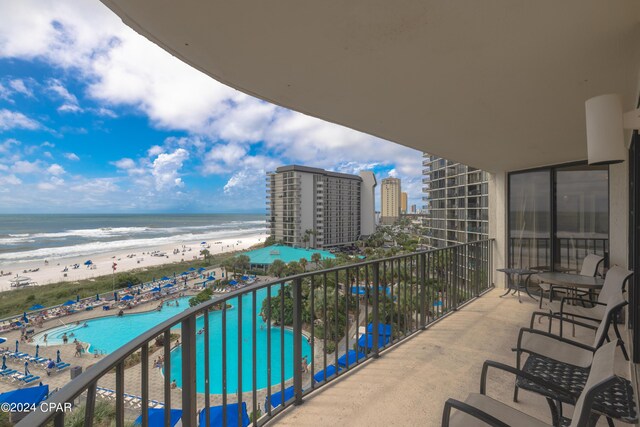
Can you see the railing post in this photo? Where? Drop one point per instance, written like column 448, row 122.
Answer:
column 376, row 314
column 456, row 279
column 297, row 341
column 188, row 330
column 422, row 265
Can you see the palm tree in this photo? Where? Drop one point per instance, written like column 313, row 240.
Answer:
column 277, row 268
column 303, row 264
column 242, row 262
column 205, row 253
column 316, row 257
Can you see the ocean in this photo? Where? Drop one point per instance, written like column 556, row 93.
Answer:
column 33, row 237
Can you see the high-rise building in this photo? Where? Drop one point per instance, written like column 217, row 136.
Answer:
column 390, row 200
column 457, row 202
column 311, row 207
column 403, row 203
column 414, row 209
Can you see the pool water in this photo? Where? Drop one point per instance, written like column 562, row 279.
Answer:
column 106, row 334
column 215, row 350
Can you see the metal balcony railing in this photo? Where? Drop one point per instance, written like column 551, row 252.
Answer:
column 362, row 308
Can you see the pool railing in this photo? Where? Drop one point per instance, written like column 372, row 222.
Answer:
column 396, row 296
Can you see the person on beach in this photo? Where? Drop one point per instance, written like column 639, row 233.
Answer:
column 303, row 367
column 65, row 338
column 78, row 352
column 174, row 384
column 50, row 365
column 44, row 339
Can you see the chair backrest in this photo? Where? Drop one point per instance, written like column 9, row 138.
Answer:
column 616, row 301
column 600, row 376
column 590, row 265
column 614, row 281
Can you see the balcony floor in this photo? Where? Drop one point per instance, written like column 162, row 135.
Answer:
column 409, row 384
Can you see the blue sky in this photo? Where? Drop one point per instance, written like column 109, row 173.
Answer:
column 95, row 118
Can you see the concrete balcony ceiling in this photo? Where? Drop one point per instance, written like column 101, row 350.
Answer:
column 497, row 84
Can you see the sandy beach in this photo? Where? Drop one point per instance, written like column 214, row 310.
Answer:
column 53, row 270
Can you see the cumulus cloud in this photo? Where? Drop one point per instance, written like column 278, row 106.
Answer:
column 55, row 169
column 71, row 156
column 10, row 180
column 16, row 120
column 166, row 168
column 26, row 167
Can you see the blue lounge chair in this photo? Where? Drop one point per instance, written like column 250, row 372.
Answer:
column 30, row 380
column 62, row 365
column 7, row 372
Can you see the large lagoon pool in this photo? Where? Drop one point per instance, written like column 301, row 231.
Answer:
column 106, row 334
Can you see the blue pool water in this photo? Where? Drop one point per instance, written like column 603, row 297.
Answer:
column 109, row 333
column 215, row 350
column 106, row 334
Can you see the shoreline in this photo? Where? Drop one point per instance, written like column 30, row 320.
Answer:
column 53, row 270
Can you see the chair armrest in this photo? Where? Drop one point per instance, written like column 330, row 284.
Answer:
column 471, row 410
column 566, row 319
column 552, row 336
column 501, row 366
column 579, row 300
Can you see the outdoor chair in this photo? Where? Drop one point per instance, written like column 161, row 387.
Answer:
column 566, row 364
column 614, row 282
column 482, row 410
column 590, row 266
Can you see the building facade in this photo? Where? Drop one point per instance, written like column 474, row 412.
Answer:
column 390, row 200
column 403, row 203
column 311, row 207
column 457, row 203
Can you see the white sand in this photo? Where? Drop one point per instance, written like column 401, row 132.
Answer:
column 102, row 263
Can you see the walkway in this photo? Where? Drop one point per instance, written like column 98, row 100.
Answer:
column 409, row 384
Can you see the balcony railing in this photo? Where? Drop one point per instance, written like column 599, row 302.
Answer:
column 365, row 307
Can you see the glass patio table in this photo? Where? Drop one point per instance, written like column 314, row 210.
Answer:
column 518, row 280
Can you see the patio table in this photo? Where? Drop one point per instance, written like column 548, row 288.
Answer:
column 517, row 280
column 574, row 281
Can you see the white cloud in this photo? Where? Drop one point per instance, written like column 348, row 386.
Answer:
column 69, row 108
column 71, row 156
column 155, row 150
column 56, row 170
column 19, row 86
column 10, row 180
column 15, row 120
column 223, row 157
column 48, row 144
column 125, row 163
column 26, row 167
column 6, row 145
column 166, row 167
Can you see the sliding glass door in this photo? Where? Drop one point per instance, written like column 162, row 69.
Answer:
column 557, row 216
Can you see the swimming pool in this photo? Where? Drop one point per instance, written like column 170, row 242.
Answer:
column 106, row 334
column 215, row 350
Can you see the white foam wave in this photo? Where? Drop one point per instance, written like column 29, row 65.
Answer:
column 88, row 249
column 105, row 233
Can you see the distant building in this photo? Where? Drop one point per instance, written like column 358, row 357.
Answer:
column 457, row 202
column 311, row 207
column 403, row 203
column 390, row 200
column 414, row 209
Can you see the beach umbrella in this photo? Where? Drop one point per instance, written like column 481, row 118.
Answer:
column 191, row 269
column 37, row 350
column 68, row 303
column 88, row 262
column 97, row 297
column 115, row 296
column 129, row 285
column 156, row 289
column 58, row 358
column 352, row 356
column 165, row 278
column 358, row 290
column 4, row 362
column 24, row 317
column 2, row 339
column 156, row 417
column 36, row 307
column 201, row 269
column 26, row 368
column 184, row 273
column 245, row 277
column 77, row 298
column 138, row 291
column 233, row 282
column 203, row 243
column 17, row 344
column 126, row 298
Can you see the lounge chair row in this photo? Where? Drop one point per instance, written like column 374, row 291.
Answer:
column 134, row 401
column 13, row 375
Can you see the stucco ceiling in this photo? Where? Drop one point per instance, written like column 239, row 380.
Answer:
column 496, row 84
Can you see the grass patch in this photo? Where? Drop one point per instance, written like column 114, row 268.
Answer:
column 16, row 301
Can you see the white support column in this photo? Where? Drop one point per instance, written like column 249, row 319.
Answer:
column 498, row 223
column 619, row 213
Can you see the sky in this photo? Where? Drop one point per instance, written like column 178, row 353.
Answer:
column 96, row 118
